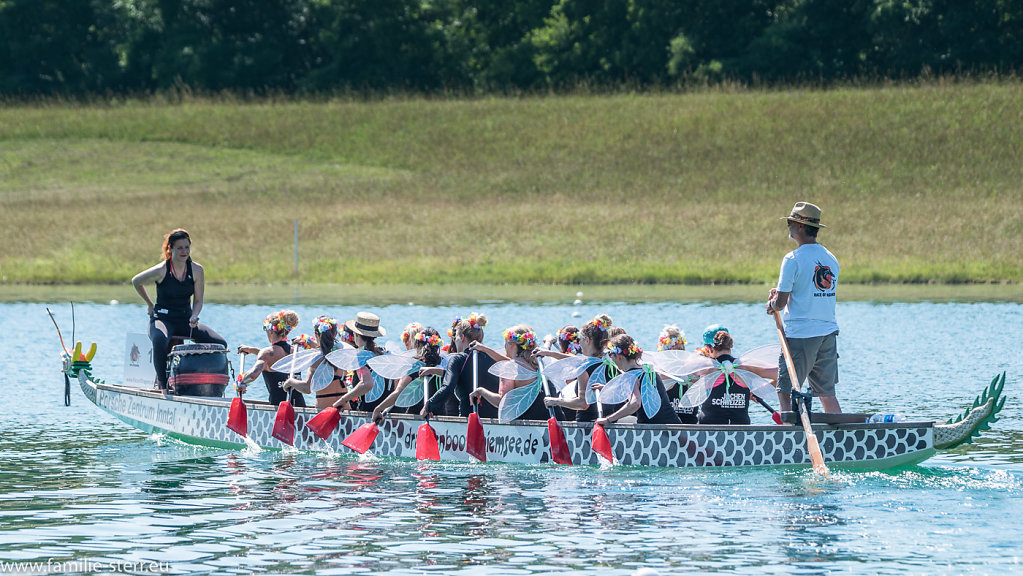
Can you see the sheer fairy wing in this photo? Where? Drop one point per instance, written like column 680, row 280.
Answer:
column 516, row 401
column 349, row 358
column 567, row 369
column 759, row 387
column 761, row 357
column 393, row 366
column 700, row 390
column 303, row 360
column 322, row 377
column 599, row 376
column 411, row 395
column 512, row 370
column 379, row 386
column 568, row 392
column 649, row 395
column 619, row 389
column 678, row 363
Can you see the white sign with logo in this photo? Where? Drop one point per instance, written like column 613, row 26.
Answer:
column 138, row 361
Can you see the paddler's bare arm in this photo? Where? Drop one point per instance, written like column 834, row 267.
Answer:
column 392, row 398
column 630, row 408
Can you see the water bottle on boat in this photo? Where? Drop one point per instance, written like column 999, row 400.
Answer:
column 886, row 418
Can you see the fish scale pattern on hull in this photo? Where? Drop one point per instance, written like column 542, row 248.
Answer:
column 203, row 421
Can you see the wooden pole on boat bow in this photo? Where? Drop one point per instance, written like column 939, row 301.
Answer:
column 816, row 457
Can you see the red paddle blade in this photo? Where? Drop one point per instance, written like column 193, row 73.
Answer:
column 362, row 438
column 475, row 441
column 237, row 418
column 601, row 443
column 284, row 424
column 776, row 417
column 324, row 423
column 426, row 443
column 559, row 446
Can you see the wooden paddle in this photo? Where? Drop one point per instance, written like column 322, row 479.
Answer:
column 284, row 422
column 237, row 417
column 816, row 457
column 559, row 446
column 475, row 440
column 426, row 437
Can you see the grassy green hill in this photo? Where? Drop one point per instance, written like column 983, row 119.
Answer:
column 917, row 184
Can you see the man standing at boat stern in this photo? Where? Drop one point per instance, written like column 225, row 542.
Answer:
column 806, row 292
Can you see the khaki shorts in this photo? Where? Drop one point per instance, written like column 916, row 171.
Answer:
column 815, row 359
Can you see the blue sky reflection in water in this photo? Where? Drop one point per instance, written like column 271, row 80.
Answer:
column 77, row 484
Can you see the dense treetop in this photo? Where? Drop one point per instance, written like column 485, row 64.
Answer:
column 83, row 47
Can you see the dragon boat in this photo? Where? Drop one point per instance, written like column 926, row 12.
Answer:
column 846, row 441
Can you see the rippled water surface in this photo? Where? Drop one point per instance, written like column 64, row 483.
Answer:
column 77, row 485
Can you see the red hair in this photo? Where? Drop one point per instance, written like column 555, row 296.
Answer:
column 172, row 237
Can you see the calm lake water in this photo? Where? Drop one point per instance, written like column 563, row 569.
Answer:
column 78, row 486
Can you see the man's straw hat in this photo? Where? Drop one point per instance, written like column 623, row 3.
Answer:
column 805, row 213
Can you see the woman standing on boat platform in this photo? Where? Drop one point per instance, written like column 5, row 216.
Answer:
column 180, row 287
column 277, row 326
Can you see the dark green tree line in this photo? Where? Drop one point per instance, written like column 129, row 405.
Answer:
column 83, row 47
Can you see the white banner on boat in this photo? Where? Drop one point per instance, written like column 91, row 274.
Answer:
column 138, row 361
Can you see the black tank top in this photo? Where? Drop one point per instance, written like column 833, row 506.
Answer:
column 726, row 404
column 665, row 415
column 686, row 415
column 590, row 414
column 173, row 296
column 273, row 379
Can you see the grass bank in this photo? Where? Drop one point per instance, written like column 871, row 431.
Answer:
column 918, row 184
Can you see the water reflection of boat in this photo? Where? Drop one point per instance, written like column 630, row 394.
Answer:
column 202, row 420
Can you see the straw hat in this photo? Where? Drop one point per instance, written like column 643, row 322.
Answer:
column 805, row 213
column 366, row 324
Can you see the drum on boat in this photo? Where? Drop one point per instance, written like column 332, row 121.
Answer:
column 198, row 370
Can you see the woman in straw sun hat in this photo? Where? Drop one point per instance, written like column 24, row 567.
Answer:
column 365, row 328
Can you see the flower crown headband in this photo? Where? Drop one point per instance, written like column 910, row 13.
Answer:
column 413, row 327
column 472, row 320
column 431, row 340
column 667, row 342
column 526, row 340
column 632, row 350
column 601, row 323
column 305, row 341
column 571, row 339
column 276, row 323
column 323, row 324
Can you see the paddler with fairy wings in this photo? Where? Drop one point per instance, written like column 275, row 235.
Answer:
column 323, row 379
column 518, row 396
column 590, row 368
column 639, row 386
